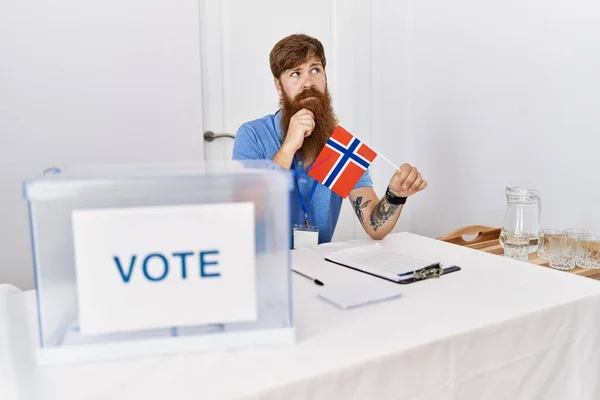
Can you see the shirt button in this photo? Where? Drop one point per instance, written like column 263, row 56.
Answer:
column 300, row 163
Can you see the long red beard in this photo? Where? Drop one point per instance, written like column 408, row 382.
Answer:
column 325, row 121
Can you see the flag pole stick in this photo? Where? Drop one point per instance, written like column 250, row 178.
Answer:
column 397, row 168
column 388, row 161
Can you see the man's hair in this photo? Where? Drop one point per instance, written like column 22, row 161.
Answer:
column 292, row 51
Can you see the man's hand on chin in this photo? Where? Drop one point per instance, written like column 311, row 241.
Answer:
column 407, row 181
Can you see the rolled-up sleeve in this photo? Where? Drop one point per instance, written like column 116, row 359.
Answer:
column 364, row 181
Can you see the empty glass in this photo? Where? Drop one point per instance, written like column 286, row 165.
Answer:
column 516, row 245
column 575, row 236
column 591, row 252
column 544, row 236
column 561, row 252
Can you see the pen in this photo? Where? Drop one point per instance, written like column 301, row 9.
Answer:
column 316, row 281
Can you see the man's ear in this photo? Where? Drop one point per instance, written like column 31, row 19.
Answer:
column 278, row 86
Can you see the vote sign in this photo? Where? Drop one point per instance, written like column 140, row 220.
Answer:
column 165, row 266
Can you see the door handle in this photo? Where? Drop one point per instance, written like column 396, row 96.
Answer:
column 209, row 136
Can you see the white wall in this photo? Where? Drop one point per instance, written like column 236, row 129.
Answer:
column 350, row 75
column 91, row 82
column 467, row 85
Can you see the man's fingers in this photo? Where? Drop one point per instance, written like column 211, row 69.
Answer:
column 410, row 179
column 300, row 113
column 308, row 128
column 407, row 180
column 402, row 174
column 416, row 183
column 306, row 118
column 309, row 123
column 304, row 111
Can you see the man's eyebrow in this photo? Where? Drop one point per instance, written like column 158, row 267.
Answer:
column 299, row 67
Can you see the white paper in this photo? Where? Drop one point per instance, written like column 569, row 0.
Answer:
column 378, row 260
column 351, row 296
column 217, row 283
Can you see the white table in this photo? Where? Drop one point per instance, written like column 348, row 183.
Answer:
column 498, row 329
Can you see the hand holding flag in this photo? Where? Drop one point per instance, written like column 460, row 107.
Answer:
column 407, row 181
column 345, row 158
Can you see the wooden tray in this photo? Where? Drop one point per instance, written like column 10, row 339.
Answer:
column 493, row 246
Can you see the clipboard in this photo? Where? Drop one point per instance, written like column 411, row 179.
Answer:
column 432, row 271
column 395, row 267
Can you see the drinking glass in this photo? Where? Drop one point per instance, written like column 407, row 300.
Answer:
column 561, row 252
column 591, row 252
column 516, row 245
column 545, row 235
column 576, row 236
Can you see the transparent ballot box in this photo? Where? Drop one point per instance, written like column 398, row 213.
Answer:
column 160, row 259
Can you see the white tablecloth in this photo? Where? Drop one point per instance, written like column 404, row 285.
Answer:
column 498, row 329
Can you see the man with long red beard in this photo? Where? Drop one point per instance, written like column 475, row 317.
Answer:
column 295, row 134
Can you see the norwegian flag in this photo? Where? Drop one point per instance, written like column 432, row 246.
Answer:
column 342, row 162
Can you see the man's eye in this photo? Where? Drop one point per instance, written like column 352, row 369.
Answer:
column 294, row 74
column 316, row 70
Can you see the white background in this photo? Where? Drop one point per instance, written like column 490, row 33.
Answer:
column 453, row 87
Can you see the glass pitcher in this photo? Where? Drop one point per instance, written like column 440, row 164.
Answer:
column 522, row 215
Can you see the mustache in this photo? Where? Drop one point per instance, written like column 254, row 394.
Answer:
column 310, row 92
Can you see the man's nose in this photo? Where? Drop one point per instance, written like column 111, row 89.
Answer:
column 308, row 83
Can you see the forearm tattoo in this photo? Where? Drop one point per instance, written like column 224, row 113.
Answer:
column 358, row 206
column 382, row 212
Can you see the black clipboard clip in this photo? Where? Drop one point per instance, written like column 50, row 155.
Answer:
column 432, row 271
